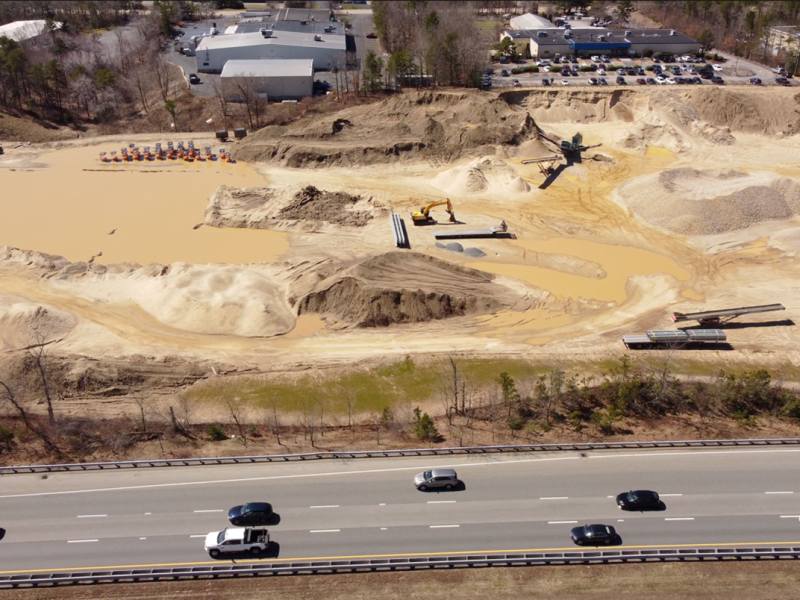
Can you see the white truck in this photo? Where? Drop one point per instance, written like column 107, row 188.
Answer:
column 254, row 540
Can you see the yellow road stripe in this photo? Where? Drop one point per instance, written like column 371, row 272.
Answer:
column 454, row 552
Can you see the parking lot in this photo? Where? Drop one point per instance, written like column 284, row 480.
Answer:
column 638, row 71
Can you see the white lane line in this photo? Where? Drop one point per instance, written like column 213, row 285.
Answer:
column 384, row 528
column 665, row 454
column 620, row 520
column 208, row 511
column 90, row 516
column 382, row 504
column 142, row 538
column 556, row 498
column 80, row 541
column 790, row 516
column 779, row 492
column 609, row 496
column 443, row 526
column 441, row 501
column 325, row 530
column 200, row 535
column 679, row 518
column 148, row 513
column 327, row 506
column 560, row 522
column 668, row 495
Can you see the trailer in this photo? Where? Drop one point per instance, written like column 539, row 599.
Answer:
column 717, row 317
column 673, row 338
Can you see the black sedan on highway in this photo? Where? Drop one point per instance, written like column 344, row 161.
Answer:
column 638, row 500
column 252, row 513
column 595, row 535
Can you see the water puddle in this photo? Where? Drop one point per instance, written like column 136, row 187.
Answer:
column 305, row 326
column 71, row 207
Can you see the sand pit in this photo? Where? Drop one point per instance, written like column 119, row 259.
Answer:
column 289, row 208
column 23, row 324
column 707, row 202
column 406, row 287
column 482, row 175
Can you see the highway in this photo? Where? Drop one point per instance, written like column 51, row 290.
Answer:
column 370, row 507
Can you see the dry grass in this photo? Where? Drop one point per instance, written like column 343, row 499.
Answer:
column 776, row 580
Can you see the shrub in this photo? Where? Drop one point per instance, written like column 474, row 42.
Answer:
column 516, row 423
column 587, row 68
column 6, row 435
column 424, row 427
column 215, row 432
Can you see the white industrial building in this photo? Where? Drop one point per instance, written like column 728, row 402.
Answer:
column 531, row 21
column 25, row 30
column 290, row 79
column 326, row 51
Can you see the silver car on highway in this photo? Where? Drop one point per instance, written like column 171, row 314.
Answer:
column 436, row 478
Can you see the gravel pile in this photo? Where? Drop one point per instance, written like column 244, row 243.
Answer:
column 692, row 202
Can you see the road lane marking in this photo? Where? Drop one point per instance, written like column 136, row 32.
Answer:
column 90, row 516
column 143, row 538
column 679, row 518
column 148, row 513
column 620, row 520
column 80, row 541
column 668, row 495
column 443, row 526
column 790, row 516
column 325, row 530
column 779, row 492
column 382, row 504
column 215, row 510
column 199, row 535
column 494, row 551
column 441, row 501
column 384, row 528
column 560, row 522
column 327, row 506
column 555, row 498
column 666, row 453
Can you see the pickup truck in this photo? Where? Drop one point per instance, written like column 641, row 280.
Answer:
column 254, row 540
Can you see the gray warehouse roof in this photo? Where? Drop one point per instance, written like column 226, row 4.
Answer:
column 278, row 38
column 553, row 37
column 317, row 27
column 290, row 67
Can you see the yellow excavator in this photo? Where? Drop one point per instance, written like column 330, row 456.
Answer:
column 422, row 216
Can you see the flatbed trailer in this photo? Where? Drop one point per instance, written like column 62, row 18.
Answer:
column 716, row 317
column 673, row 338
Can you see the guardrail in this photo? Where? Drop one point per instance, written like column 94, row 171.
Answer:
column 352, row 454
column 363, row 565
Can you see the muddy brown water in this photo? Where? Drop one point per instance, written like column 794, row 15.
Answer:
column 70, row 206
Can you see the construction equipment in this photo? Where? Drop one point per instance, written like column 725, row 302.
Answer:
column 716, row 317
column 546, row 169
column 568, row 148
column 422, row 216
column 675, row 338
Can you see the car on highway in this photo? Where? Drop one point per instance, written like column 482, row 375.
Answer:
column 782, row 81
column 594, row 535
column 620, row 80
column 436, row 478
column 250, row 513
column 638, row 500
column 193, row 78
column 755, row 81
column 235, row 540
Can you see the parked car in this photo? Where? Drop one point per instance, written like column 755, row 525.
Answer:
column 638, row 500
column 680, row 80
column 565, row 72
column 786, row 74
column 640, row 71
column 650, row 81
column 595, row 535
column 573, row 60
column 516, row 83
column 596, row 59
column 671, row 81
column 593, row 81
column 780, row 81
column 660, row 80
column 545, row 69
column 193, row 78
column 657, row 69
column 372, row 36
column 545, row 81
column 565, row 82
column 620, row 80
column 601, row 72
column 436, row 478
column 697, row 80
column 656, row 60
column 641, row 81
column 630, row 72
column 504, row 73
column 717, row 68
column 717, row 80
column 777, row 69
column 603, row 81
column 755, row 81
column 251, row 513
column 325, row 86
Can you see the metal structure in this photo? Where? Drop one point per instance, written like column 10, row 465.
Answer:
column 409, row 563
column 679, row 337
column 717, row 317
column 463, row 234
column 546, row 165
column 566, row 147
column 399, row 232
column 355, row 454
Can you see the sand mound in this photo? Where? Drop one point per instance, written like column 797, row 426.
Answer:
column 489, row 174
column 289, row 208
column 418, row 125
column 23, row 324
column 693, row 202
column 210, row 299
column 405, row 287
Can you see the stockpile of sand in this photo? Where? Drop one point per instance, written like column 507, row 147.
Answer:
column 209, row 299
column 289, row 208
column 693, row 202
column 417, row 125
column 23, row 324
column 490, row 174
column 405, row 287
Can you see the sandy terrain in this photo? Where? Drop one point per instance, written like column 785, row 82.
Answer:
column 692, row 204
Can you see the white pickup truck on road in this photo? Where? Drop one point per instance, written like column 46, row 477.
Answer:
column 254, row 540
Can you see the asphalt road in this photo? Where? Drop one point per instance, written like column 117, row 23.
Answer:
column 370, row 507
